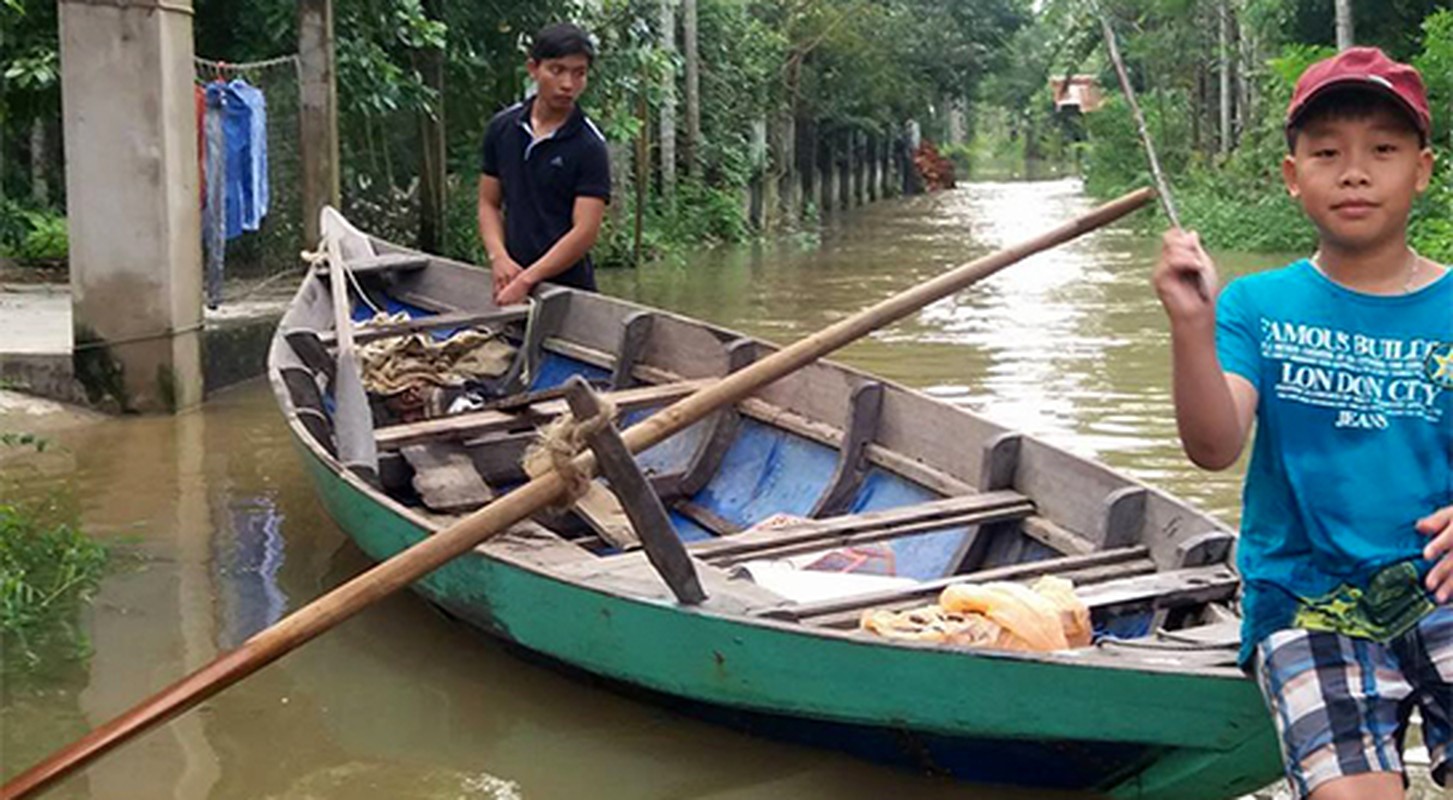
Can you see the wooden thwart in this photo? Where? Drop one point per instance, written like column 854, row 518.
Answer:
column 402, row 262
column 433, row 322
column 872, row 526
column 481, row 422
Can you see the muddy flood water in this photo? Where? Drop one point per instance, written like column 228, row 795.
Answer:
column 217, row 534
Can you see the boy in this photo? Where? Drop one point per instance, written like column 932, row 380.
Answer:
column 545, row 175
column 1345, row 361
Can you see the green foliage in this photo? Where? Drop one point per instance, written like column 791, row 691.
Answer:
column 48, row 570
column 1436, row 64
column 1240, row 201
column 30, row 235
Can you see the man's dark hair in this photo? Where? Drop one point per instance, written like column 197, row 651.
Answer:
column 1351, row 102
column 560, row 40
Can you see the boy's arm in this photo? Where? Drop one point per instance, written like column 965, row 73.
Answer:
column 1214, row 408
column 585, row 222
column 492, row 233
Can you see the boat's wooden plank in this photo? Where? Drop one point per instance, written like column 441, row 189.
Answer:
column 445, row 478
column 1132, row 560
column 595, row 322
column 1213, row 547
column 478, row 423
column 914, row 425
column 818, row 392
column 635, row 334
column 685, row 347
column 402, row 262
column 454, row 319
column 1069, row 490
column 1169, row 523
column 1164, row 589
column 1047, row 533
column 725, row 423
column 603, row 513
column 866, row 407
column 1124, row 517
column 706, row 518
column 815, row 541
column 950, row 511
column 658, row 538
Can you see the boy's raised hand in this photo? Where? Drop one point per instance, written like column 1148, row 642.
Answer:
column 1439, row 526
column 1185, row 277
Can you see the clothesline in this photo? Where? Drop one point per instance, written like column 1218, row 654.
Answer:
column 219, row 67
column 245, row 65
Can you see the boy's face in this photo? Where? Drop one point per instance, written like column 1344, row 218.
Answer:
column 1356, row 178
column 560, row 80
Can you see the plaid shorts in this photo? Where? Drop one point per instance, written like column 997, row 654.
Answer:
column 1341, row 704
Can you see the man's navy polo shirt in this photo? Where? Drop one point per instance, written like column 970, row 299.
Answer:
column 540, row 180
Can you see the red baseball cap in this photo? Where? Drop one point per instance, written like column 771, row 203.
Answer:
column 1365, row 68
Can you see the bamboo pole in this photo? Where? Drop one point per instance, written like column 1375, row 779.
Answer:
column 436, row 550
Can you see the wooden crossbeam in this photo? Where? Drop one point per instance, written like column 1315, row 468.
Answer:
column 479, row 423
column 870, row 526
column 433, row 322
column 402, row 262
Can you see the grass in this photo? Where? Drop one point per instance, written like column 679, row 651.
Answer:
column 49, row 570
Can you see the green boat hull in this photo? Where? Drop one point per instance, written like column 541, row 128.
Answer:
column 1146, row 734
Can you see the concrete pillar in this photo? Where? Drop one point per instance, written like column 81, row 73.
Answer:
column 133, row 202
column 317, row 113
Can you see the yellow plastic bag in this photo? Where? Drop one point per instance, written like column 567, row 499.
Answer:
column 1031, row 620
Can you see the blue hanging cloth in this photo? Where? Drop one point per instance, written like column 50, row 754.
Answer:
column 245, row 126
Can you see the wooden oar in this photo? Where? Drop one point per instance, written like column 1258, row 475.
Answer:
column 431, row 553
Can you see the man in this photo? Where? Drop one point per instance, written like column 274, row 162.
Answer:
column 546, row 175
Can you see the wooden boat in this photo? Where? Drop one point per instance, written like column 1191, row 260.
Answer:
column 1156, row 708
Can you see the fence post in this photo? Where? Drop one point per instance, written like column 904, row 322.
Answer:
column 317, row 113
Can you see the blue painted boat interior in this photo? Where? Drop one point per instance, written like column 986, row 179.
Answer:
column 769, row 471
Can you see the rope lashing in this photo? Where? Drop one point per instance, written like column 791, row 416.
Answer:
column 556, row 445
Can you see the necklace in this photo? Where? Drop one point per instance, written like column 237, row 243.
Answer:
column 1415, row 263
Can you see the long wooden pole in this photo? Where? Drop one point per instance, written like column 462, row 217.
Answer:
column 1166, row 200
column 434, row 551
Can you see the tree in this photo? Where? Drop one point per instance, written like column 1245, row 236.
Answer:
column 1345, row 37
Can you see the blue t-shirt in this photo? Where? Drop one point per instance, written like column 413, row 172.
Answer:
column 1354, row 434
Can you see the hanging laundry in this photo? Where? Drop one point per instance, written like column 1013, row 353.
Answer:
column 254, row 161
column 245, row 125
column 214, row 203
